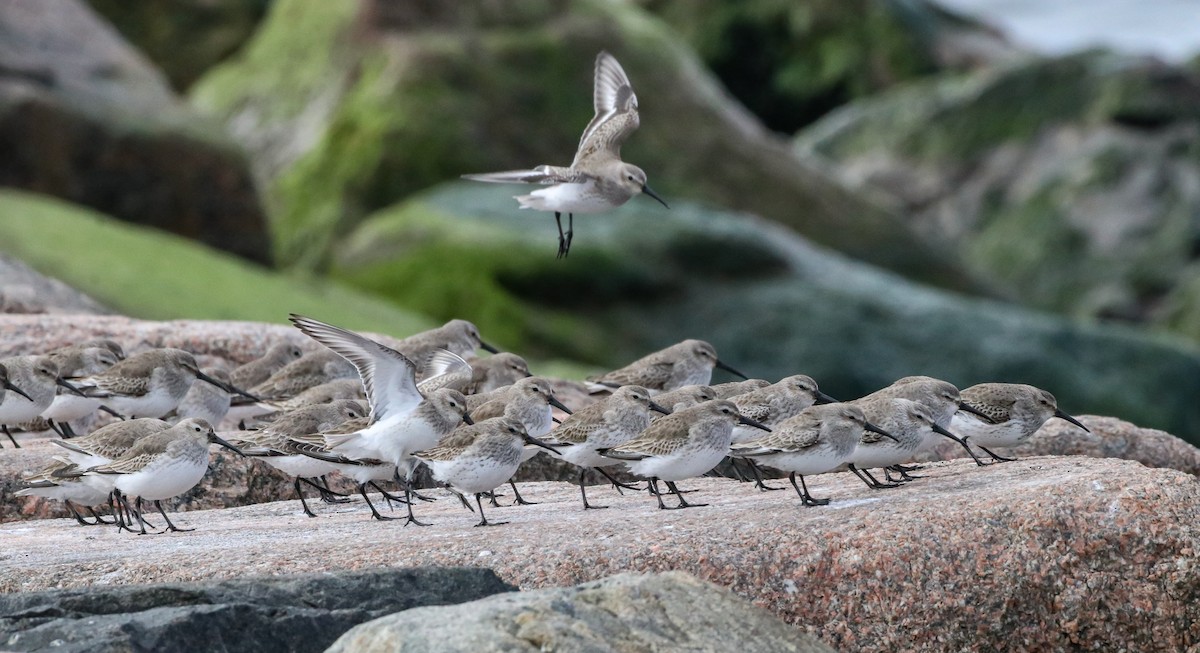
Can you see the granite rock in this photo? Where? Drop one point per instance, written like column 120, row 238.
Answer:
column 1046, row 553
column 262, row 614
column 673, row 611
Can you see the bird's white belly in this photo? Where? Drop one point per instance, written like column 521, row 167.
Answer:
column 879, row 454
column 1005, row 434
column 585, row 455
column 69, row 407
column 680, row 465
column 73, row 491
column 471, row 475
column 17, row 409
column 569, row 198
column 366, row 473
column 804, row 463
column 155, row 403
column 163, row 479
column 298, row 465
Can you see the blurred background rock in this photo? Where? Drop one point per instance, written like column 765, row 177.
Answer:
column 860, row 189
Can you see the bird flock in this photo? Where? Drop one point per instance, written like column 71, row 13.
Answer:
column 375, row 414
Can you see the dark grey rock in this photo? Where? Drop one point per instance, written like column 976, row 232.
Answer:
column 25, row 290
column 289, row 613
column 671, row 611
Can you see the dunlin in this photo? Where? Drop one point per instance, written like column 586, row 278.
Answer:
column 31, row 384
column 942, row 399
column 901, row 427
column 690, row 362
column 107, row 343
column 817, row 440
column 148, row 384
column 162, row 465
column 60, row 481
column 531, row 402
column 260, row 369
column 479, row 458
column 685, row 397
column 597, row 180
column 281, row 445
column 456, row 336
column 444, row 369
column 1013, row 412
column 773, row 404
column 735, row 388
column 682, row 445
column 205, row 400
column 608, row 423
column 496, row 371
column 322, row 394
column 308, row 371
column 109, row 442
column 69, row 406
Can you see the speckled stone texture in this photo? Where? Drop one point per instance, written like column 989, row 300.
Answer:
column 1048, row 553
column 1109, row 438
column 627, row 613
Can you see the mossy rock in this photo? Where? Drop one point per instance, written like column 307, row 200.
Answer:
column 84, row 117
column 1071, row 183
column 792, row 62
column 148, row 274
column 184, row 38
column 773, row 303
column 349, row 107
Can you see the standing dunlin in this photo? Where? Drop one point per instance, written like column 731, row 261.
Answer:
column 532, row 403
column 497, row 371
column 205, row 400
column 280, row 443
column 149, row 384
column 109, row 442
column 817, row 440
column 1014, row 412
column 685, row 397
column 682, row 445
column 31, row 384
column 163, row 465
column 308, row 371
column 771, row 405
column 597, row 180
column 325, row 393
column 479, row 458
column 942, row 399
column 260, row 369
column 608, row 423
column 459, row 337
column 401, row 420
column 69, row 406
column 901, row 429
column 690, row 362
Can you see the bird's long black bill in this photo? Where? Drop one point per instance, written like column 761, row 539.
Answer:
column 8, row 384
column 227, row 387
column 875, row 429
column 731, row 370
column 467, row 418
column 529, row 439
column 224, row 443
column 823, row 398
column 749, row 422
column 559, row 405
column 66, row 384
column 941, row 431
column 1061, row 415
column 650, row 191
column 966, row 408
column 659, row 408
column 486, row 347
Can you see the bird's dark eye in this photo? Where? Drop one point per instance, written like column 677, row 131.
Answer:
column 537, row 389
column 630, row 177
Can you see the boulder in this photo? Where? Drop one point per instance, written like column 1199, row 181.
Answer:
column 1051, row 552
column 672, row 611
column 268, row 613
column 347, row 107
column 771, row 302
column 1070, row 182
column 24, row 290
column 184, row 38
column 84, row 117
column 791, row 64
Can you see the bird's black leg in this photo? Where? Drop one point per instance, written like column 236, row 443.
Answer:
column 492, row 498
column 328, row 495
column 617, row 484
column 570, row 233
column 682, row 502
column 519, row 500
column 170, row 526
column 4, row 427
column 806, row 498
column 562, row 238
column 865, row 476
column 411, row 519
column 300, row 494
column 362, row 489
column 999, row 459
column 583, row 493
column 75, row 514
column 99, row 519
column 483, row 519
column 758, row 479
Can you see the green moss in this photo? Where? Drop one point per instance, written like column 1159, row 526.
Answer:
column 293, row 56
column 153, row 275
